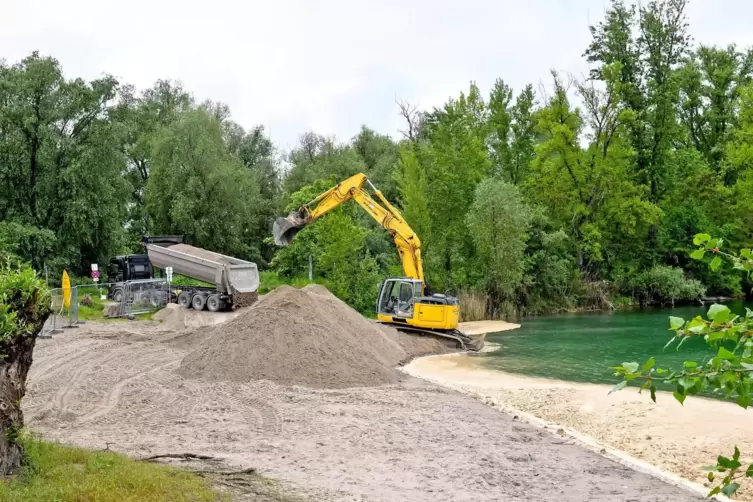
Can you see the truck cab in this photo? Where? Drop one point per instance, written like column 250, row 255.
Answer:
column 124, row 268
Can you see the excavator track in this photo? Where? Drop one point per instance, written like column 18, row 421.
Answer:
column 462, row 340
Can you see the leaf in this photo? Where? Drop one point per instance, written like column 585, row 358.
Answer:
column 722, row 461
column 719, row 313
column 679, row 397
column 698, row 254
column 730, row 489
column 744, row 400
column 697, row 325
column 748, row 313
column 653, row 392
column 725, row 354
column 745, row 253
column 701, row 238
column 676, row 323
column 736, row 455
column 619, row 386
column 686, row 383
column 648, row 365
column 710, row 476
column 690, row 364
column 749, row 472
column 630, row 367
column 716, row 263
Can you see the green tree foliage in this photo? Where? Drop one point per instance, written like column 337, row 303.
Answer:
column 141, row 116
column 60, row 163
column 197, row 188
column 498, row 222
column 619, row 172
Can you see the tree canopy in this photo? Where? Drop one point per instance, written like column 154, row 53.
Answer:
column 569, row 196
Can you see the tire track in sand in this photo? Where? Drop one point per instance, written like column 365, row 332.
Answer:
column 114, row 396
column 61, row 398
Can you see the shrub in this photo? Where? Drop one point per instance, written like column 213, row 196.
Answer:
column 663, row 285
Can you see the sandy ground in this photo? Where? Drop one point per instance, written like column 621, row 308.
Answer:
column 114, row 386
column 677, row 439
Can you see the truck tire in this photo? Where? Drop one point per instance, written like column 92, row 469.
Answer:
column 214, row 303
column 184, row 299
column 117, row 295
column 198, row 302
column 156, row 300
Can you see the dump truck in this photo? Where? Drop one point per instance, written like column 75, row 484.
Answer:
column 235, row 282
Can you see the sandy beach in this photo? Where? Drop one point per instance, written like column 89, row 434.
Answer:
column 678, row 440
column 116, row 386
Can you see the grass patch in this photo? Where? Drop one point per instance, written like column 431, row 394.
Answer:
column 56, row 473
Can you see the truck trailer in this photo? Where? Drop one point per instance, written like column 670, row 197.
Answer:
column 235, row 281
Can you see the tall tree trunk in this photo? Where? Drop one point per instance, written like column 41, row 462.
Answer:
column 14, row 367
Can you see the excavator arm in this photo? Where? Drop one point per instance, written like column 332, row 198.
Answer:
column 407, row 242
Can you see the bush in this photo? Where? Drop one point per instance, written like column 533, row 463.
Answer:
column 663, row 285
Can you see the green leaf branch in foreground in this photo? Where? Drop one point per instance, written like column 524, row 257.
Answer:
column 729, row 373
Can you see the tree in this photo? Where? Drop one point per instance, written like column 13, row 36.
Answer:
column 711, row 81
column 317, row 158
column 588, row 189
column 141, row 117
column 197, row 188
column 24, row 308
column 643, row 73
column 379, row 154
column 498, row 222
column 61, row 161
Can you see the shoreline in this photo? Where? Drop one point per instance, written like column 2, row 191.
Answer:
column 667, row 440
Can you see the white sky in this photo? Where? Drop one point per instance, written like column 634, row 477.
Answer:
column 327, row 65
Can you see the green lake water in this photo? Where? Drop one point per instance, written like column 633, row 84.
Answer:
column 581, row 347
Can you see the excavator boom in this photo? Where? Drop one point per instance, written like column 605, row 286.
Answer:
column 407, row 242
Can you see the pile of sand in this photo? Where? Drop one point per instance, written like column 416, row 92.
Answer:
column 303, row 337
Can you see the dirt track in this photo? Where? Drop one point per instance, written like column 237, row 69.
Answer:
column 116, row 385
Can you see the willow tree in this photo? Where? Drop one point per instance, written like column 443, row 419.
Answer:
column 24, row 308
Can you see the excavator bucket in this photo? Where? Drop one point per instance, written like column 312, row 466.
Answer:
column 284, row 229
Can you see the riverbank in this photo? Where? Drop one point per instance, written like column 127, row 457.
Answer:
column 115, row 386
column 676, row 439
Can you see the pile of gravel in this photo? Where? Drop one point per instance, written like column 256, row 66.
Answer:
column 304, row 337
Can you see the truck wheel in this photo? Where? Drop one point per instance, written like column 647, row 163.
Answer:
column 198, row 302
column 214, row 303
column 184, row 299
column 156, row 300
column 117, row 295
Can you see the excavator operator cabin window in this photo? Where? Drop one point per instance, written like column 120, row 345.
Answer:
column 405, row 299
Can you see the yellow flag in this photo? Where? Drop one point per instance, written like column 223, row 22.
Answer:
column 66, row 290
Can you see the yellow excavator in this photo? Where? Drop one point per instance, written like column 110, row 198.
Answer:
column 407, row 303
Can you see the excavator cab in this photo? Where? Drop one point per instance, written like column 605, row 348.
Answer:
column 402, row 301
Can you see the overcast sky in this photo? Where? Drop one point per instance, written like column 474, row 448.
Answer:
column 327, row 65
